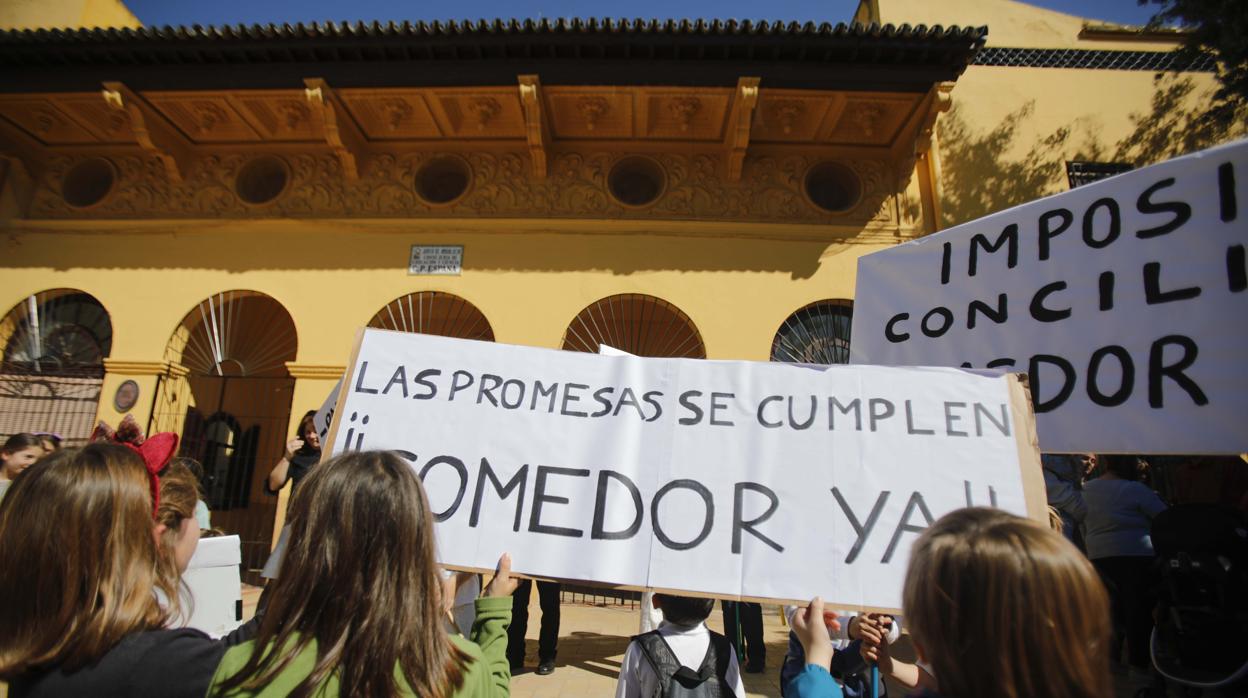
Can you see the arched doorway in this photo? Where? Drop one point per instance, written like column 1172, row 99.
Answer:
column 635, row 323
column 434, row 312
column 817, row 333
column 55, row 343
column 228, row 394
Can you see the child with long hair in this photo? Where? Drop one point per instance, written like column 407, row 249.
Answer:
column 17, row 454
column 90, row 580
column 998, row 606
column 357, row 609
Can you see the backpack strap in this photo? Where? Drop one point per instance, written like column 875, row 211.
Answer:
column 659, row 655
column 718, row 654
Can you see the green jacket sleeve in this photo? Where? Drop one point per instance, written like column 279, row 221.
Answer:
column 489, row 631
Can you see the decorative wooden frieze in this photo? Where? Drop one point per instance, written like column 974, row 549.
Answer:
column 866, row 116
column 786, row 112
column 536, row 128
column 683, row 110
column 592, row 109
column 770, row 189
column 740, row 119
column 151, row 131
column 339, row 130
column 396, row 112
column 484, row 109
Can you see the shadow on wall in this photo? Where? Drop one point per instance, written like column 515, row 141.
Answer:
column 1169, row 129
column 976, row 181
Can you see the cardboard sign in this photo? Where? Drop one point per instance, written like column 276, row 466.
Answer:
column 215, row 586
column 324, row 416
column 725, row 478
column 1125, row 301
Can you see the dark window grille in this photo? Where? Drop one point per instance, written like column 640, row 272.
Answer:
column 58, row 333
column 815, row 334
column 1079, row 173
column 1092, row 59
column 434, row 312
column 638, row 324
column 55, row 343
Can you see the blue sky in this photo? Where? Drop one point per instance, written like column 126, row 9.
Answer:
column 216, row 12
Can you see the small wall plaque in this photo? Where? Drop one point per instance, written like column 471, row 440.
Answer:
column 436, row 260
column 127, row 394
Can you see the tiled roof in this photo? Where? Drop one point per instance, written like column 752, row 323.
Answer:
column 514, row 27
column 567, row 51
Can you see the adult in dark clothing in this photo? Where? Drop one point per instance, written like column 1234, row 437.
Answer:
column 548, row 638
column 303, row 452
column 748, row 617
column 1117, row 530
column 87, row 614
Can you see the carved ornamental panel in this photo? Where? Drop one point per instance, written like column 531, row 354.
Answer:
column 502, row 185
column 391, row 114
column 587, row 113
column 205, row 118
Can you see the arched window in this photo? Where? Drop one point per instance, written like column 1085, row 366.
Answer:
column 52, row 370
column 434, row 312
column 815, row 334
column 57, row 332
column 635, row 323
column 234, row 333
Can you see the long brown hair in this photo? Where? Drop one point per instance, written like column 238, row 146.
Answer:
column 359, row 579
column 1003, row 607
column 80, row 564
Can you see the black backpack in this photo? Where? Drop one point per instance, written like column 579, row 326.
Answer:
column 679, row 681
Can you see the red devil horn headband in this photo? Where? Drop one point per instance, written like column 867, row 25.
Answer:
column 155, row 451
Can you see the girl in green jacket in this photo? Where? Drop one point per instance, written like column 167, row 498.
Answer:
column 358, row 608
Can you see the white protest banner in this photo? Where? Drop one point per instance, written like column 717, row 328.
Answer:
column 1123, row 300
column 716, row 477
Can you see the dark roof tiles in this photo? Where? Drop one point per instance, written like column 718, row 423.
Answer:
column 593, row 50
column 591, row 25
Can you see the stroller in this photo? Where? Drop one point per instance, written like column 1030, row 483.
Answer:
column 1201, row 636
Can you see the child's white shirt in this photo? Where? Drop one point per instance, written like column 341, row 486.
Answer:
column 637, row 677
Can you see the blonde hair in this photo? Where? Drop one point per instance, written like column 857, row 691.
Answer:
column 78, row 524
column 1003, row 607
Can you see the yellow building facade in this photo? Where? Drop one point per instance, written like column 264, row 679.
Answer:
column 196, row 223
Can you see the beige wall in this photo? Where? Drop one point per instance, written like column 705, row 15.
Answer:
column 60, row 14
column 1010, row 23
column 1011, row 130
column 529, row 278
